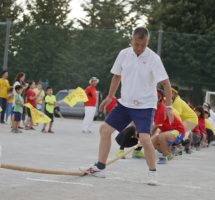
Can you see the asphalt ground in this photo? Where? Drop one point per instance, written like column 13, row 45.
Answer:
column 189, row 176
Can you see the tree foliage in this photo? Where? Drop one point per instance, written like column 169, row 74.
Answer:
column 8, row 10
column 185, row 16
column 48, row 12
column 107, row 14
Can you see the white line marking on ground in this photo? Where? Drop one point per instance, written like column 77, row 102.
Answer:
column 63, row 182
column 182, row 186
column 192, row 158
column 161, row 184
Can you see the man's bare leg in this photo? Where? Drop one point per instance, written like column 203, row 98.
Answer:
column 105, row 142
column 149, row 150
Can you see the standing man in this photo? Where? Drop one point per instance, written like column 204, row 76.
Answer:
column 139, row 70
column 4, row 88
column 90, row 105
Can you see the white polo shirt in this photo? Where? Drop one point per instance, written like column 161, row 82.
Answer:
column 139, row 77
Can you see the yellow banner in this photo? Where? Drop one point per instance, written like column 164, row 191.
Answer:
column 37, row 116
column 77, row 95
column 28, row 105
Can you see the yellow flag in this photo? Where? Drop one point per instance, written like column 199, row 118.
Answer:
column 37, row 116
column 0, row 109
column 28, row 105
column 77, row 95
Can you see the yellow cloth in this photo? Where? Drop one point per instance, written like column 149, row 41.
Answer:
column 50, row 100
column 37, row 116
column 77, row 95
column 0, row 109
column 176, row 113
column 4, row 87
column 184, row 110
column 40, row 95
column 209, row 125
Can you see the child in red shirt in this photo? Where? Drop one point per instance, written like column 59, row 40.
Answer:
column 200, row 130
column 30, row 98
column 111, row 105
column 169, row 133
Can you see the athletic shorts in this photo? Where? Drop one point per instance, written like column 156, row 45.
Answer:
column 50, row 115
column 121, row 116
column 17, row 116
column 179, row 137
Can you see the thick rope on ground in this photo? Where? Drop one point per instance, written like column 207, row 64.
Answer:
column 57, row 172
column 40, row 170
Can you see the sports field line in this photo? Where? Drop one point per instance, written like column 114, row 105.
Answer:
column 160, row 184
column 62, row 182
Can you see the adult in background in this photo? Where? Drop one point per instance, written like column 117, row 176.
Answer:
column 4, row 88
column 19, row 80
column 139, row 70
column 90, row 105
column 40, row 95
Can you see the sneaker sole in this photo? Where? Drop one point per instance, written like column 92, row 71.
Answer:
column 86, row 173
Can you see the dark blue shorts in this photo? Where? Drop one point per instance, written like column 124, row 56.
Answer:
column 121, row 117
column 50, row 115
column 17, row 116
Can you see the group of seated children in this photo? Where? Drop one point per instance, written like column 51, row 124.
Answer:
column 191, row 128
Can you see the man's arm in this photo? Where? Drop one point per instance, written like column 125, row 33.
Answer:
column 112, row 91
column 168, row 94
column 167, row 91
column 114, row 86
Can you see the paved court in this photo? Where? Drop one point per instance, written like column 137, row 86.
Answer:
column 191, row 177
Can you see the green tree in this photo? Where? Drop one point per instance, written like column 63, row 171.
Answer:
column 8, row 10
column 188, row 16
column 51, row 12
column 39, row 39
column 83, row 58
column 188, row 40
column 108, row 14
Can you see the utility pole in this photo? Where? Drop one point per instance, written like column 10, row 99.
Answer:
column 7, row 39
column 160, row 38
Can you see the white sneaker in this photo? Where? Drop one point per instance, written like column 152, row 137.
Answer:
column 152, row 178
column 93, row 171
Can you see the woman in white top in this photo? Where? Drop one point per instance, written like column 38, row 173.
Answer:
column 19, row 80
